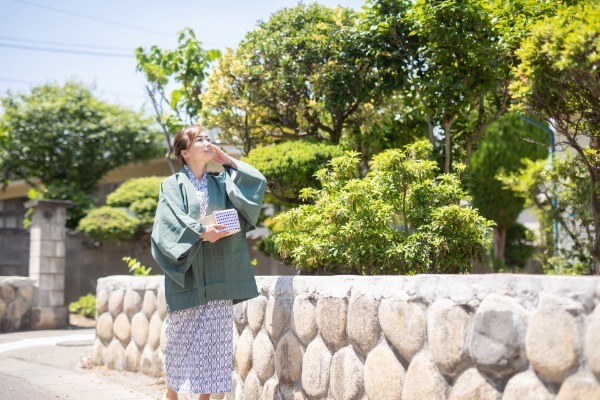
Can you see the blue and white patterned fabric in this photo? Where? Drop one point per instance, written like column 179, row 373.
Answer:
column 199, row 342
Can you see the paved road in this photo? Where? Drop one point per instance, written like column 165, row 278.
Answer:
column 47, row 365
column 14, row 388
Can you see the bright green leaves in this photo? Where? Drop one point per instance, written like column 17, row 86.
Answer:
column 402, row 218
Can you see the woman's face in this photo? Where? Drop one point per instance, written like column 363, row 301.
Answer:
column 199, row 150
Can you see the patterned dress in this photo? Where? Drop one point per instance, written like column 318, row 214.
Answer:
column 198, row 350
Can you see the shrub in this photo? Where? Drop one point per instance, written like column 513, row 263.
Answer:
column 109, row 223
column 290, row 166
column 86, row 306
column 404, row 217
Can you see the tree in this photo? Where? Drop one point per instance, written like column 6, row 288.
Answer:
column 559, row 195
column 505, row 144
column 402, row 218
column 299, row 74
column 62, row 140
column 290, row 167
column 453, row 58
column 186, row 65
column 558, row 80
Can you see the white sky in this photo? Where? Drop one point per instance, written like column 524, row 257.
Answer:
column 116, row 28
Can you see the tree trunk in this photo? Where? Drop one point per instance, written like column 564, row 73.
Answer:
column 500, row 243
column 447, row 126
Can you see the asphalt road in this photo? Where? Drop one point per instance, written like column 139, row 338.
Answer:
column 14, row 388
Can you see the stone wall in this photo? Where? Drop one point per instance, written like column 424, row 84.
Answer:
column 16, row 300
column 473, row 337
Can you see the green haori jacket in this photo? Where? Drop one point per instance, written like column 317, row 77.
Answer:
column 196, row 271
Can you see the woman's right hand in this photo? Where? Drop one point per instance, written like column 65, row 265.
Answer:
column 212, row 232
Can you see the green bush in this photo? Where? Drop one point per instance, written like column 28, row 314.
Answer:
column 291, row 166
column 108, row 223
column 86, row 306
column 130, row 208
column 136, row 268
column 404, row 217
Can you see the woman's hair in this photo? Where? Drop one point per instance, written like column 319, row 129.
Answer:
column 184, row 138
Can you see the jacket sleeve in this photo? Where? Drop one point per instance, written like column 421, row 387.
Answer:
column 174, row 233
column 246, row 191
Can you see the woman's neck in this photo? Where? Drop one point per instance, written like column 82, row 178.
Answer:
column 198, row 169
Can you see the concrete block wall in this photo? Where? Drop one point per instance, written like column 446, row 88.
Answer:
column 356, row 338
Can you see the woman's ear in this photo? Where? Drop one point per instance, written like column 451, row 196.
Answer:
column 185, row 154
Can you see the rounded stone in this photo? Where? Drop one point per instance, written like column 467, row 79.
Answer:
column 101, row 301
column 122, row 329
column 404, row 325
column 271, row 390
column 423, row 380
column 292, row 393
column 26, row 292
column 315, row 371
column 346, row 375
column 158, row 363
column 163, row 337
column 252, row 386
column 498, row 338
column 104, row 328
column 526, row 386
column 243, row 353
column 277, row 316
column 115, row 302
column 154, row 331
column 115, row 355
column 288, row 359
column 256, row 312
column 17, row 308
column 263, row 354
column 545, row 349
column 2, row 307
column 146, row 361
column 97, row 352
column 331, row 317
column 448, row 327
column 363, row 323
column 161, row 303
column 592, row 344
column 472, row 385
column 140, row 329
column 132, row 358
column 384, row 375
column 304, row 320
column 149, row 303
column 239, row 315
column 132, row 303
column 7, row 293
column 579, row 387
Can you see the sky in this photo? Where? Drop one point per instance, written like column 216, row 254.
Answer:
column 93, row 41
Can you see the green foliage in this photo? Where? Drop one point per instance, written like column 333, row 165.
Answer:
column 109, row 223
column 130, row 208
column 460, row 89
column 139, row 195
column 136, row 268
column 558, row 80
column 300, row 73
column 62, row 141
column 402, row 218
column 290, row 166
column 185, row 67
column 86, row 306
column 519, row 246
column 560, row 194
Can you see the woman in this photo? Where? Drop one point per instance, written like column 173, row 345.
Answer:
column 206, row 271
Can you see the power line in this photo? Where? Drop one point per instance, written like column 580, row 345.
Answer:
column 106, row 21
column 64, row 44
column 67, row 51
